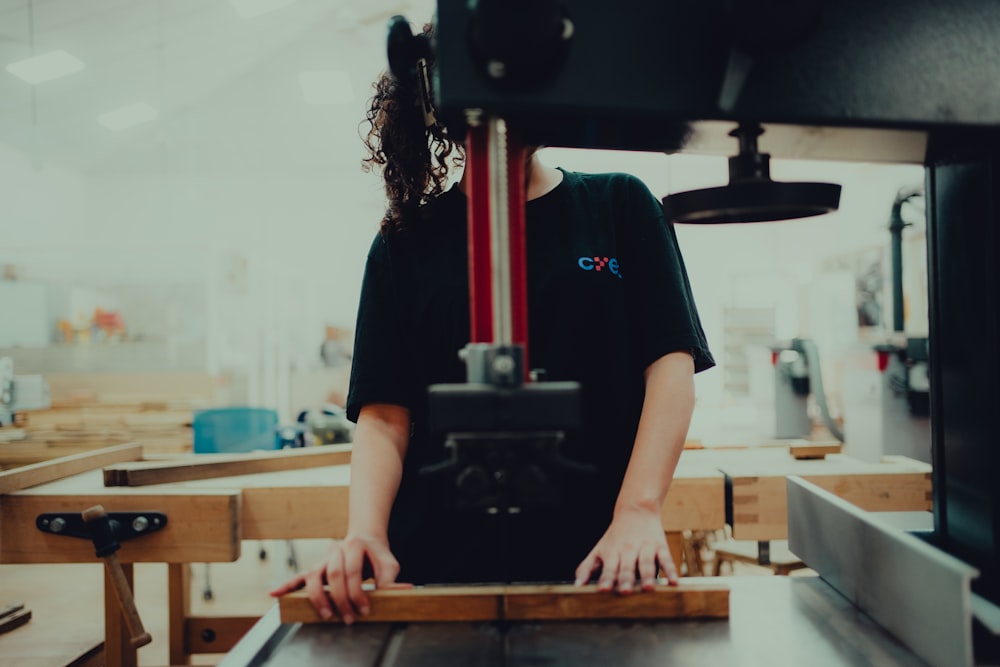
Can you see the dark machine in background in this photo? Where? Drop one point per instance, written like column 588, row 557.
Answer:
column 910, row 81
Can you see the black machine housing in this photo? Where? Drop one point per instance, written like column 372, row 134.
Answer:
column 910, row 81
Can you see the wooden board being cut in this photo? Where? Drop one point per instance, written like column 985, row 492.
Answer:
column 525, row 603
column 208, row 466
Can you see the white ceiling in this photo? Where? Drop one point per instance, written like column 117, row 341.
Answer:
column 226, row 87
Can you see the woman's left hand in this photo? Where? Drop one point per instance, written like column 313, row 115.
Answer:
column 634, row 544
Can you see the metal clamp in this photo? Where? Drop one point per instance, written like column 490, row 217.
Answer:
column 126, row 525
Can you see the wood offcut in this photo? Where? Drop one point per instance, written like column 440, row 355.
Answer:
column 209, row 466
column 13, row 616
column 525, row 603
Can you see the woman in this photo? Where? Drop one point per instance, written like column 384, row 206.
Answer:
column 609, row 307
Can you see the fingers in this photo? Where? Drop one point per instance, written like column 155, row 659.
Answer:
column 337, row 587
column 385, row 565
column 667, row 565
column 609, row 573
column 317, row 596
column 354, row 558
column 647, row 567
column 293, row 584
column 626, row 570
column 586, row 569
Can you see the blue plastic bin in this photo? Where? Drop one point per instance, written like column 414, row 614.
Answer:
column 237, row 429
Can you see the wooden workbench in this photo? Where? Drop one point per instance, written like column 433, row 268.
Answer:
column 755, row 482
column 208, row 519
column 211, row 517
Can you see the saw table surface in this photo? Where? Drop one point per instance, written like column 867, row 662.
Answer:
column 774, row 622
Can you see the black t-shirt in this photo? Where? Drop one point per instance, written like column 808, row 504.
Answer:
column 607, row 296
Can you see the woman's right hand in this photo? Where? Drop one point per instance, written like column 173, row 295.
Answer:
column 341, row 572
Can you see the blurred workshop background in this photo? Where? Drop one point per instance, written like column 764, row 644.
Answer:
column 186, row 219
column 184, row 222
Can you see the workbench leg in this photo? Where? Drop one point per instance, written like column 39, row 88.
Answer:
column 675, row 542
column 179, row 601
column 118, row 650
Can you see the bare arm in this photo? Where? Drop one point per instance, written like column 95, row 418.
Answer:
column 635, row 541
column 380, row 443
column 663, row 426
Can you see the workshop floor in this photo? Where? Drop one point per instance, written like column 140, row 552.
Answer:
column 67, row 603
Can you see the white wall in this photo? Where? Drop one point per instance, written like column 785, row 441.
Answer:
column 276, row 256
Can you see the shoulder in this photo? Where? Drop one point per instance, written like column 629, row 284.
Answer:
column 443, row 215
column 611, row 184
column 625, row 192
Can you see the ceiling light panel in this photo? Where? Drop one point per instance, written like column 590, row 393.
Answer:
column 45, row 67
column 128, row 116
column 329, row 87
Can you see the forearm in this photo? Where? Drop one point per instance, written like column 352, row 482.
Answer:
column 380, row 443
column 663, row 426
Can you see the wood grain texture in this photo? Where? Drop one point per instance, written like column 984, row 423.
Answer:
column 696, row 501
column 757, row 478
column 42, row 473
column 209, row 466
column 760, row 507
column 525, row 603
column 440, row 603
column 290, row 513
column 201, row 526
column 568, row 602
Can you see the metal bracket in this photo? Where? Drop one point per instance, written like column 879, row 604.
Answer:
column 126, row 525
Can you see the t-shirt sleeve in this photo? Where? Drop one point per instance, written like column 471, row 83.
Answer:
column 378, row 372
column 663, row 312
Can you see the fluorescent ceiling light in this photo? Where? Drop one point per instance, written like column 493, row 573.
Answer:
column 248, row 9
column 45, row 67
column 326, row 87
column 128, row 116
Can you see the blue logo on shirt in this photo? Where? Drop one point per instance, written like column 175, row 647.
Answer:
column 600, row 264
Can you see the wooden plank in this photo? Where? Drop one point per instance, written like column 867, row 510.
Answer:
column 432, row 604
column 209, row 466
column 567, row 602
column 10, row 434
column 213, row 634
column 14, row 620
column 118, row 650
column 31, row 451
column 814, row 450
column 41, row 473
column 178, row 609
column 11, row 609
column 202, row 526
column 525, row 603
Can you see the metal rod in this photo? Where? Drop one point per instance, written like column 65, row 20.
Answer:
column 500, row 232
column 518, row 250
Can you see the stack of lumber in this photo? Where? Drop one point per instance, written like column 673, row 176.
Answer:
column 91, row 411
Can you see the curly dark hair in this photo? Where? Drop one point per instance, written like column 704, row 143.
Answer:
column 415, row 159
